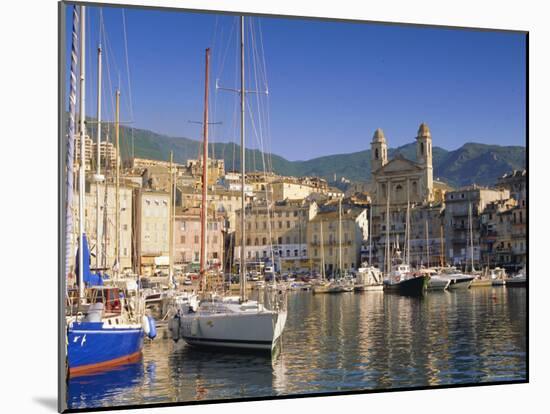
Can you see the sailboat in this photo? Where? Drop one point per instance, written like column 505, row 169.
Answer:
column 459, row 280
column 323, row 285
column 399, row 277
column 104, row 328
column 369, row 277
column 234, row 322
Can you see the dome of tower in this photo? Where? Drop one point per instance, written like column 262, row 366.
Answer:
column 378, row 136
column 424, row 130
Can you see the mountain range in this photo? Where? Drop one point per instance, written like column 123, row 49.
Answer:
column 471, row 163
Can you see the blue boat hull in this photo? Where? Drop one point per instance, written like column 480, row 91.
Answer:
column 90, row 347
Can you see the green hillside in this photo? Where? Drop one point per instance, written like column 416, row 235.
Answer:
column 471, row 163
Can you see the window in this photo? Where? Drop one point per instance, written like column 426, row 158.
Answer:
column 215, row 239
column 280, row 224
column 248, row 241
column 182, row 239
column 196, row 239
column 295, row 252
column 288, row 253
column 288, row 224
column 279, row 240
column 256, row 241
column 287, row 214
column 264, row 241
column 287, row 240
column 376, row 155
column 215, row 255
column 296, row 214
column 315, row 252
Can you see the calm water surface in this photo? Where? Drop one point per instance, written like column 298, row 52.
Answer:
column 342, row 342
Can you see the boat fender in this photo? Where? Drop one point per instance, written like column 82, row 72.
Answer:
column 174, row 326
column 145, row 325
column 194, row 327
column 152, row 327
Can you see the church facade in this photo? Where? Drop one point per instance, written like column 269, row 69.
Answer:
column 395, row 184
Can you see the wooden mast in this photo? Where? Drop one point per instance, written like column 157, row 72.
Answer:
column 204, row 206
column 117, row 182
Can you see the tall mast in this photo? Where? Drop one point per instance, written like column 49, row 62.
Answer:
column 471, row 234
column 370, row 234
column 339, row 237
column 171, row 223
column 441, row 247
column 204, row 207
column 69, row 236
column 427, row 246
column 388, row 259
column 98, row 176
column 408, row 224
column 117, row 181
column 322, row 254
column 82, row 167
column 243, row 170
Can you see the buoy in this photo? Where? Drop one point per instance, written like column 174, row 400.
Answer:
column 145, row 325
column 152, row 327
column 174, row 326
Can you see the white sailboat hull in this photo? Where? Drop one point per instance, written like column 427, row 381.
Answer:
column 246, row 330
column 437, row 283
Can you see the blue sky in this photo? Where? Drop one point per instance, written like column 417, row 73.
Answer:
column 331, row 84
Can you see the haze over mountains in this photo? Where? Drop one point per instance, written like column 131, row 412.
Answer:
column 471, row 163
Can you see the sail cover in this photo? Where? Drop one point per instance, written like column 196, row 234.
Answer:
column 90, row 279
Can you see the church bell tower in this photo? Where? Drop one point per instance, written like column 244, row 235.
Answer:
column 424, row 158
column 379, row 150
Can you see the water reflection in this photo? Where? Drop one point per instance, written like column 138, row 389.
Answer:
column 334, row 343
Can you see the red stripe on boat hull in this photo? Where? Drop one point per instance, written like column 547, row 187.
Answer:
column 93, row 368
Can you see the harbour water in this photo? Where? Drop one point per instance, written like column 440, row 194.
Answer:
column 342, row 342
